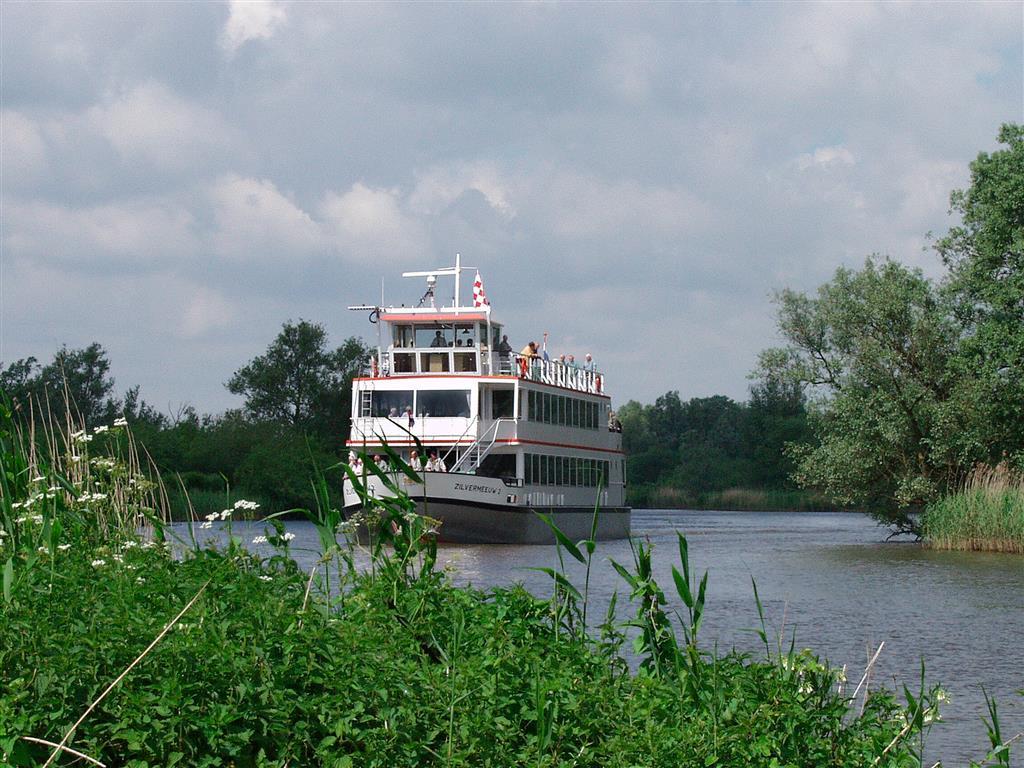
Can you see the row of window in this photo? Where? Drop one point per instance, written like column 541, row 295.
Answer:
column 542, row 469
column 562, row 410
column 395, row 403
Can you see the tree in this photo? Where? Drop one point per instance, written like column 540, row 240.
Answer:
column 299, row 381
column 80, row 375
column 985, row 256
column 874, row 348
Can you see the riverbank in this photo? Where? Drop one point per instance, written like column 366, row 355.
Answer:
column 728, row 500
column 988, row 515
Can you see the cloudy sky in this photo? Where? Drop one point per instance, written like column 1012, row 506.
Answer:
column 178, row 179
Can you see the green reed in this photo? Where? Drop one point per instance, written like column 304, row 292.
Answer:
column 988, row 514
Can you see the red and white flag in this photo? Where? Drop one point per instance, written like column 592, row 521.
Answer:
column 479, row 297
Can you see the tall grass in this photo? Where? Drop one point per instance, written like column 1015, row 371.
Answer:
column 987, row 515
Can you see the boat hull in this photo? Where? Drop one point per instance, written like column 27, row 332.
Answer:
column 479, row 510
column 464, row 523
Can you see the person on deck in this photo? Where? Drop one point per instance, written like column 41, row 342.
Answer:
column 435, row 463
column 438, row 340
column 589, row 365
column 504, row 348
column 530, row 350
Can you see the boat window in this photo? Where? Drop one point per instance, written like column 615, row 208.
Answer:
column 404, row 362
column 465, row 362
column 498, row 465
column 403, row 336
column 466, row 334
column 392, row 403
column 434, row 362
column 502, row 403
column 435, row 335
column 443, row 402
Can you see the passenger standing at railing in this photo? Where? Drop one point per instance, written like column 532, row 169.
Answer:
column 589, row 365
column 504, row 348
column 572, row 362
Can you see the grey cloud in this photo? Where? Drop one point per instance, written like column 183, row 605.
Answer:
column 634, row 179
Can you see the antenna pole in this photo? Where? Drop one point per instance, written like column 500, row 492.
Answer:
column 458, row 276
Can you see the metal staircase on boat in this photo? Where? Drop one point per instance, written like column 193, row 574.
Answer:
column 474, row 455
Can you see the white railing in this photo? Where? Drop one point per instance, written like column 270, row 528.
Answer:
column 558, row 373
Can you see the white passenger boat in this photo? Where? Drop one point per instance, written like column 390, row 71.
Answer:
column 516, row 434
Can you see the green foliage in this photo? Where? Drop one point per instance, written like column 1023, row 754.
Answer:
column 875, row 344
column 258, row 664
column 688, row 454
column 81, row 376
column 914, row 382
column 985, row 256
column 300, row 382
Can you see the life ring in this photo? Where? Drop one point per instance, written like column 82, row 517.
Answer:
column 373, row 367
column 597, row 381
column 524, row 366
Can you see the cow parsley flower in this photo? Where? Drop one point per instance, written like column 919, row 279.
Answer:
column 260, row 540
column 99, row 562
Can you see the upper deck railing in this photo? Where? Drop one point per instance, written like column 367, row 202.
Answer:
column 459, row 361
column 557, row 373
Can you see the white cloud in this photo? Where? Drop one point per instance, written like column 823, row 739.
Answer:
column 23, row 149
column 255, row 221
column 152, row 124
column 251, row 20
column 825, row 157
column 204, row 309
column 440, row 186
column 367, row 223
column 132, row 233
column 577, row 205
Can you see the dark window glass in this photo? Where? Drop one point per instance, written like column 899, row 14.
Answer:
column 442, row 402
column 392, row 403
column 502, row 403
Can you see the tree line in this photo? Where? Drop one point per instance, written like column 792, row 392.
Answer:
column 297, row 400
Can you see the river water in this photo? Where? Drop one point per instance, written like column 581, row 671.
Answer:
column 834, row 580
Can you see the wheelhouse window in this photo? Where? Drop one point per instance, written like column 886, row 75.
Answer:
column 389, row 403
column 403, row 337
column 435, row 335
column 443, row 402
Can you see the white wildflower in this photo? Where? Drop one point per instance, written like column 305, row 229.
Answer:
column 130, row 544
column 63, row 547
column 38, row 479
column 139, row 580
column 37, row 519
column 206, row 526
column 211, row 517
column 99, row 562
column 266, row 578
column 120, row 421
column 287, row 537
column 243, row 504
column 225, row 514
column 260, row 540
column 42, row 550
column 82, row 437
column 101, row 429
